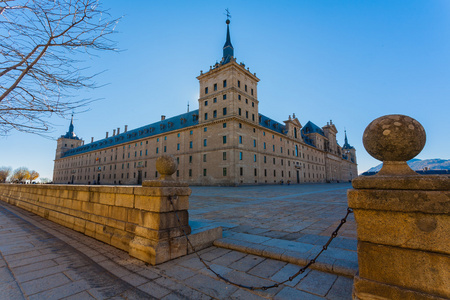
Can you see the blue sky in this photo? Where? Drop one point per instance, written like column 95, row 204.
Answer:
column 348, row 61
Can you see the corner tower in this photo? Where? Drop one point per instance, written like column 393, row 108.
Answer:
column 68, row 141
column 228, row 89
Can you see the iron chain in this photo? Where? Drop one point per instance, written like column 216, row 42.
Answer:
column 301, row 271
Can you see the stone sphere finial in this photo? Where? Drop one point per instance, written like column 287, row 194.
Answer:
column 394, row 139
column 166, row 165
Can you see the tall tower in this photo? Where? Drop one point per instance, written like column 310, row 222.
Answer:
column 228, row 89
column 67, row 141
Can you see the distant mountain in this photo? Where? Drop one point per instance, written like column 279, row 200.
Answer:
column 419, row 164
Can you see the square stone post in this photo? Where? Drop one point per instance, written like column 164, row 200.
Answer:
column 403, row 219
column 159, row 236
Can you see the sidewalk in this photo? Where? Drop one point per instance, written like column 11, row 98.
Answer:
column 43, row 260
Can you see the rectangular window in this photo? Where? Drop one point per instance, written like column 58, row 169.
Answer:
column 205, row 129
column 224, row 156
column 224, row 171
column 265, row 172
column 204, row 157
column 254, row 143
column 264, row 145
column 146, row 152
column 239, row 97
column 265, row 159
column 224, row 83
column 204, row 172
column 240, row 139
column 191, row 132
column 256, row 172
column 215, row 86
column 252, row 91
column 215, row 114
column 224, row 125
column 241, row 171
column 225, row 97
column 254, row 157
column 206, row 90
column 273, row 148
column 224, row 139
column 253, row 117
column 253, row 104
column 157, row 150
column 178, row 173
column 190, row 172
column 245, row 88
column 215, row 100
column 140, row 153
column 178, row 146
column 206, row 103
column 156, row 174
column 190, row 144
column 190, row 159
column 224, row 111
column 206, row 116
column 239, row 111
column 205, row 143
column 240, row 155
column 165, row 148
column 246, row 114
column 239, row 84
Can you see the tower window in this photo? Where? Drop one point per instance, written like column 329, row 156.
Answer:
column 240, row 139
column 241, row 171
column 245, row 88
column 225, row 97
column 205, row 142
column 252, row 92
column 224, row 83
column 215, row 114
column 224, row 111
column 206, row 103
column 240, row 155
column 224, row 156
column 215, row 86
column 224, row 138
column 224, row 171
column 215, row 100
column 239, row 97
column 239, row 84
column 206, row 90
column 206, row 116
column 239, row 111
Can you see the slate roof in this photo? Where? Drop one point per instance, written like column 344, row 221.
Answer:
column 167, row 125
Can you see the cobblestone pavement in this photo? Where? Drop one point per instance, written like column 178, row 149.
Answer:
column 43, row 260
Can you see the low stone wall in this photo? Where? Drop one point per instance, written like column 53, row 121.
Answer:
column 139, row 220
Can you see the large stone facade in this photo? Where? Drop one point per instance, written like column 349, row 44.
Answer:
column 225, row 142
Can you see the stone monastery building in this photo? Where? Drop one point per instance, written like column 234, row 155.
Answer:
column 225, row 142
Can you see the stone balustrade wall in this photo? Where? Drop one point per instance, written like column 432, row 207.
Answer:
column 139, row 220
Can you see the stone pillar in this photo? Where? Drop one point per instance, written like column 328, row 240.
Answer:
column 166, row 240
column 403, row 218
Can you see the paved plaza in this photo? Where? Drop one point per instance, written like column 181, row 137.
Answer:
column 267, row 231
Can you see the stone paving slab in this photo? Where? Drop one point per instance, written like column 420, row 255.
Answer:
column 287, row 223
column 83, row 268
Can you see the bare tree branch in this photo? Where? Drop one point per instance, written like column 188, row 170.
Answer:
column 42, row 48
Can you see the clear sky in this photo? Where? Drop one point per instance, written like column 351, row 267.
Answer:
column 348, row 61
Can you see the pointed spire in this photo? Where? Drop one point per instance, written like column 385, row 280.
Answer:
column 228, row 50
column 71, row 134
column 346, row 144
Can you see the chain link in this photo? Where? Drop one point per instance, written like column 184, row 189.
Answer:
column 301, row 271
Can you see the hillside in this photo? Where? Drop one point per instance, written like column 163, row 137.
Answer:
column 419, row 164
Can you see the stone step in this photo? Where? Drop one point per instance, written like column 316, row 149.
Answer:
column 333, row 260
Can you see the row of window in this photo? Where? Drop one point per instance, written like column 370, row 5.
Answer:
column 224, row 85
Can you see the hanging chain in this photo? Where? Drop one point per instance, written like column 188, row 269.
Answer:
column 301, row 271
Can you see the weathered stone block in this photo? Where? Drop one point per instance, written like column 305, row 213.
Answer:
column 423, row 271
